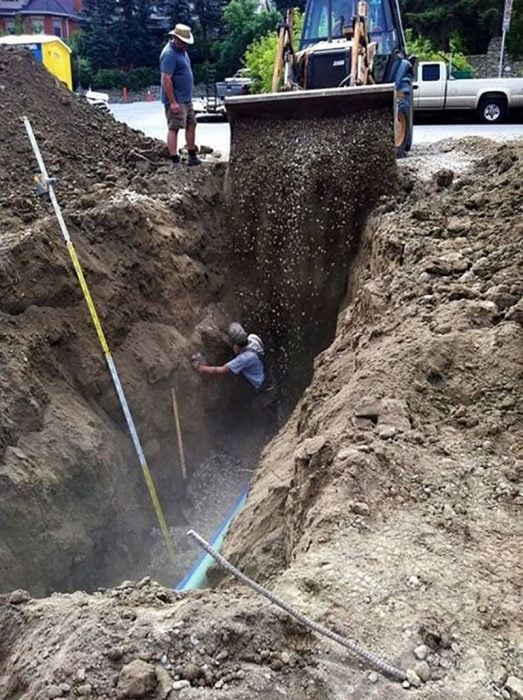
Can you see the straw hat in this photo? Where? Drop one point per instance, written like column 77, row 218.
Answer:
column 183, row 33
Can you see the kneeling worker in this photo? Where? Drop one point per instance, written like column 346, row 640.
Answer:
column 248, row 361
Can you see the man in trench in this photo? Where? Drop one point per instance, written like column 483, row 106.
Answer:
column 248, row 360
column 176, row 93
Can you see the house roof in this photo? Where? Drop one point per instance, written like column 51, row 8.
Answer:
column 63, row 8
column 12, row 6
column 23, row 39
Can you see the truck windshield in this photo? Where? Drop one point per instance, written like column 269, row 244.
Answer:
column 316, row 27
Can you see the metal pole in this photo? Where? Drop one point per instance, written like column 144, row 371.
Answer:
column 502, row 52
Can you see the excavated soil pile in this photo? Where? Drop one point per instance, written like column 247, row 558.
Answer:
column 299, row 193
column 81, row 146
column 75, row 511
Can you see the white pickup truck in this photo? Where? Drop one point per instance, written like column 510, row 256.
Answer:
column 490, row 98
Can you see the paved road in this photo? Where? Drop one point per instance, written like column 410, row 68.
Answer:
column 149, row 118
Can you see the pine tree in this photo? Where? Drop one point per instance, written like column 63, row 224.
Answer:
column 99, row 40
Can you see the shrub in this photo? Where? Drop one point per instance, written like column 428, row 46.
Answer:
column 82, row 72
column 424, row 49
column 107, row 78
column 140, row 78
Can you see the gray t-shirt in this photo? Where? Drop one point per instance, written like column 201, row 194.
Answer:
column 177, row 64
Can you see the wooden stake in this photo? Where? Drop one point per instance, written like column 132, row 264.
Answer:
column 179, row 435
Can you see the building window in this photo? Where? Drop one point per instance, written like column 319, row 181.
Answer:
column 10, row 25
column 37, row 24
column 57, row 27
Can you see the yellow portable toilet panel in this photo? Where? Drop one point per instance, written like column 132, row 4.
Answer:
column 56, row 57
column 47, row 49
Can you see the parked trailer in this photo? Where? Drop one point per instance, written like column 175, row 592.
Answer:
column 48, row 50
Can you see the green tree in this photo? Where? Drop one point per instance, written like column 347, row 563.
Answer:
column 515, row 34
column 476, row 22
column 179, row 11
column 261, row 56
column 135, row 40
column 425, row 50
column 99, row 42
column 243, row 21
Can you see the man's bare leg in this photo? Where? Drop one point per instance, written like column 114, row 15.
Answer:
column 190, row 136
column 172, row 141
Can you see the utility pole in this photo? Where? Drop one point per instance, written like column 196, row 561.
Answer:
column 506, row 26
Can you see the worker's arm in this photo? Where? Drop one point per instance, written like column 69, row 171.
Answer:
column 210, row 369
column 168, row 86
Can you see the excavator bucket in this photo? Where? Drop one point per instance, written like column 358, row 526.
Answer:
column 311, row 104
column 352, row 107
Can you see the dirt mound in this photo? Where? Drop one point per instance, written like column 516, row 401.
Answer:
column 132, row 641
column 81, row 147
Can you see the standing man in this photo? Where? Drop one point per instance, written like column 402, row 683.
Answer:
column 176, row 92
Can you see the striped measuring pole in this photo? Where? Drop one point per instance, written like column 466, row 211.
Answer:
column 47, row 183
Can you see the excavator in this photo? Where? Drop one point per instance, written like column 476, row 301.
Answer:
column 352, row 58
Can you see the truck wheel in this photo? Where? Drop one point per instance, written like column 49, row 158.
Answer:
column 492, row 110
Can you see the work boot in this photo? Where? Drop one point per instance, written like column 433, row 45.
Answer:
column 176, row 163
column 193, row 159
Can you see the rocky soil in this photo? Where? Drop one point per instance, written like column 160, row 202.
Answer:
column 388, row 507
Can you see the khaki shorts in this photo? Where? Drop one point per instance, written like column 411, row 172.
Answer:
column 181, row 119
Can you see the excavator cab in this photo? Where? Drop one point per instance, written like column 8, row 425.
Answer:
column 351, row 58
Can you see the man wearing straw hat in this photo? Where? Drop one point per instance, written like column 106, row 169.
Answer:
column 176, row 92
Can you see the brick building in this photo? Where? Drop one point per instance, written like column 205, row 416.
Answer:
column 60, row 18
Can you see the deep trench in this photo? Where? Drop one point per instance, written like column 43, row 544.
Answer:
column 296, row 203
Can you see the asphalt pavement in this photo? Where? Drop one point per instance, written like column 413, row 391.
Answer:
column 149, row 118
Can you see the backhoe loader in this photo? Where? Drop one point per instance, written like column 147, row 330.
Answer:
column 352, row 59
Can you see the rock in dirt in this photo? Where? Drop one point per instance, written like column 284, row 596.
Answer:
column 180, row 685
column 422, row 670
column 191, row 672
column 136, row 679
column 413, row 678
column 421, row 652
column 18, row 597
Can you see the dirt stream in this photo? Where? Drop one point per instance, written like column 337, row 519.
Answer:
column 386, row 507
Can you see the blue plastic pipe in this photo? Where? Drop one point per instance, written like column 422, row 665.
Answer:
column 195, row 578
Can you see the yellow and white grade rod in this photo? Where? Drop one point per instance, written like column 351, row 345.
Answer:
column 48, row 184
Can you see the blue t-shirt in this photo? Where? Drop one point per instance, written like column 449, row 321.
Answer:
column 177, row 64
column 250, row 365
